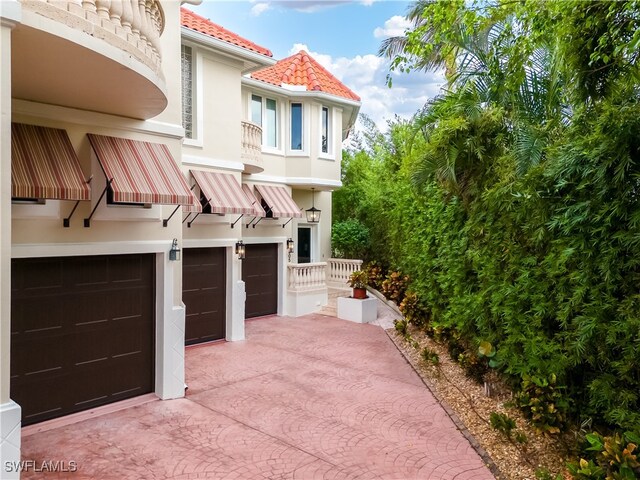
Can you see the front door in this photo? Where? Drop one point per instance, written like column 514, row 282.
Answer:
column 304, row 244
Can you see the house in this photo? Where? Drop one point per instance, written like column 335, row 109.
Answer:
column 144, row 150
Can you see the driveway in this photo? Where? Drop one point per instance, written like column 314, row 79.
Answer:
column 307, row 398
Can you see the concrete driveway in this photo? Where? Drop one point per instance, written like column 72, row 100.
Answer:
column 307, row 398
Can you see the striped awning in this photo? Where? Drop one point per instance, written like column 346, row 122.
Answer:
column 258, row 211
column 223, row 192
column 142, row 172
column 279, row 201
column 45, row 165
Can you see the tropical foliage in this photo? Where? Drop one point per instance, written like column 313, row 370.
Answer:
column 512, row 201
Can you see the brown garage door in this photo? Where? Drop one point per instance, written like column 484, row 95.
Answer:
column 204, row 294
column 82, row 332
column 260, row 275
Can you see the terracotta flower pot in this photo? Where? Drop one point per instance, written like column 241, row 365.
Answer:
column 360, row 293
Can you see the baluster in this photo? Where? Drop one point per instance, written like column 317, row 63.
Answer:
column 102, row 8
column 89, row 5
column 144, row 27
column 127, row 16
column 135, row 22
column 115, row 13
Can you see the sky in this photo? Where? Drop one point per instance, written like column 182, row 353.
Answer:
column 343, row 36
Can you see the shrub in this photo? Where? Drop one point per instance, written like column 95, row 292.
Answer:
column 375, row 273
column 611, row 457
column 395, row 286
column 502, row 422
column 349, row 239
column 430, row 356
column 544, row 404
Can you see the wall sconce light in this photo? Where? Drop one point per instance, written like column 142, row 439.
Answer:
column 290, row 245
column 313, row 214
column 240, row 250
column 174, row 253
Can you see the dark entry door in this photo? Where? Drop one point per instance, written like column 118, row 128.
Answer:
column 260, row 275
column 204, row 294
column 304, row 244
column 82, row 332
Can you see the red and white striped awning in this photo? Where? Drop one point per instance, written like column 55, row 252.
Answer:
column 142, row 172
column 223, row 192
column 258, row 211
column 279, row 201
column 45, row 165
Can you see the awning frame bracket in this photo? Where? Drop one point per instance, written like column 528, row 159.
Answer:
column 254, row 225
column 198, row 214
column 165, row 221
column 66, row 222
column 87, row 221
column 238, row 219
column 285, row 224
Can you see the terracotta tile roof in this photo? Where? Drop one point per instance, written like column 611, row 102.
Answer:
column 200, row 24
column 302, row 70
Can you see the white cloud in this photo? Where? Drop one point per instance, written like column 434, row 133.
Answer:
column 393, row 27
column 366, row 76
column 367, row 3
column 305, row 6
column 259, row 8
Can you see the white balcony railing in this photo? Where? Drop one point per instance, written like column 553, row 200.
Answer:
column 132, row 25
column 339, row 271
column 251, row 151
column 307, row 276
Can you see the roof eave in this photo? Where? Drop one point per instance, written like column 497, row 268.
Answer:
column 252, row 60
column 298, row 93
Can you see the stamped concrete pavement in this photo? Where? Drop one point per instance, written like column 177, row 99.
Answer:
column 307, row 398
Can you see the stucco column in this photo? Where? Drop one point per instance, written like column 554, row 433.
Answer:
column 9, row 410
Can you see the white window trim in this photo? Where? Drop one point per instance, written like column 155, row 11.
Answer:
column 330, row 154
column 198, row 91
column 277, row 150
column 304, row 152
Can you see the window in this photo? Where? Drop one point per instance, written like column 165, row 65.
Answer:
column 267, row 119
column 256, row 109
column 325, row 130
column 296, row 126
column 270, row 129
column 187, row 91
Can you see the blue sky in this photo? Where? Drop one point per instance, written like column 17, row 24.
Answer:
column 344, row 36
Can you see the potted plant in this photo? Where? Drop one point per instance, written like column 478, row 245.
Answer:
column 358, row 281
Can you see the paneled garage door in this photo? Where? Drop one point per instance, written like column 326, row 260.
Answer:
column 82, row 332
column 204, row 294
column 260, row 275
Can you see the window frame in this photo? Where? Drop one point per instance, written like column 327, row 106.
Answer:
column 325, row 131
column 196, row 138
column 302, row 142
column 264, row 123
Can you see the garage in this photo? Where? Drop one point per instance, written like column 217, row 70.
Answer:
column 204, row 294
column 82, row 332
column 260, row 275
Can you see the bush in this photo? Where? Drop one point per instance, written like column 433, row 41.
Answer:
column 395, row 286
column 349, row 239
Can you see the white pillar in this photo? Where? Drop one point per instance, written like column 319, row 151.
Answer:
column 9, row 411
column 236, row 298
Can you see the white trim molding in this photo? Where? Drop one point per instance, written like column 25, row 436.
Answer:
column 196, row 161
column 319, row 183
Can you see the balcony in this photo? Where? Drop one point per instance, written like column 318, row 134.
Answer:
column 251, row 152
column 97, row 55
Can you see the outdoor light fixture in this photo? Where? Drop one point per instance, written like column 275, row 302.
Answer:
column 313, row 214
column 174, row 253
column 289, row 247
column 240, row 250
